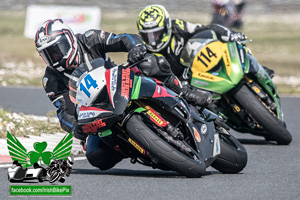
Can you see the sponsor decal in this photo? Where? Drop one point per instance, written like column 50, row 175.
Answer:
column 44, row 39
column 227, row 62
column 242, row 56
column 58, row 162
column 157, row 119
column 197, row 135
column 232, row 51
column 227, row 58
column 237, row 108
column 206, row 76
column 203, row 129
column 256, row 89
column 113, row 85
column 216, row 149
column 125, row 85
column 199, row 82
column 85, row 115
column 94, row 126
column 137, row 146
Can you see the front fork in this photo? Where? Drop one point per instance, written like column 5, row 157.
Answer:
column 263, row 97
column 260, row 93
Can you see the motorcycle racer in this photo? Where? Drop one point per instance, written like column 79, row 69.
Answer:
column 165, row 37
column 63, row 51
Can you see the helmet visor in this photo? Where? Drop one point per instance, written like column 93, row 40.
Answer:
column 153, row 37
column 56, row 52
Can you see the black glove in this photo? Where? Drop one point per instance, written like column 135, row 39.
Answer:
column 237, row 36
column 137, row 53
column 232, row 36
column 226, row 35
column 200, row 98
column 78, row 132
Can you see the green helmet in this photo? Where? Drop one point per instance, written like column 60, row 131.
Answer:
column 154, row 25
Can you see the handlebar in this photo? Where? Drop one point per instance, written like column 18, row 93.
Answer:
column 136, row 63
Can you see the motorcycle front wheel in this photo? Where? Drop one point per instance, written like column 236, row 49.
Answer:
column 161, row 150
column 274, row 127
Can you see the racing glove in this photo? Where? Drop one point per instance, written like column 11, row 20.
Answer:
column 78, row 132
column 226, row 35
column 137, row 53
column 237, row 36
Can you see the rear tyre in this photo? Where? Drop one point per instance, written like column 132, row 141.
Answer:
column 233, row 157
column 274, row 128
column 161, row 150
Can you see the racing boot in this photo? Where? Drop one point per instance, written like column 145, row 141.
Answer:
column 196, row 96
column 199, row 97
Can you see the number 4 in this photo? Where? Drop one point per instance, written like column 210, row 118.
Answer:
column 89, row 82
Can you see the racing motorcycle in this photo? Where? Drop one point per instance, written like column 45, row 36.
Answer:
column 243, row 92
column 151, row 124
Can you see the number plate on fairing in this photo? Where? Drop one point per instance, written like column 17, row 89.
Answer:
column 208, row 56
column 89, row 86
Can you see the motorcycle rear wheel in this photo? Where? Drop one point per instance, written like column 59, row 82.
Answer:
column 163, row 151
column 274, row 127
column 233, row 157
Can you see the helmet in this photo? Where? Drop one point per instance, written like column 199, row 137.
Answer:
column 56, row 43
column 154, row 25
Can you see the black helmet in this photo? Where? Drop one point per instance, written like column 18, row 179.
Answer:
column 154, row 25
column 56, row 43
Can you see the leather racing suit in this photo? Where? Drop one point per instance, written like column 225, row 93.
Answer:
column 92, row 44
column 182, row 31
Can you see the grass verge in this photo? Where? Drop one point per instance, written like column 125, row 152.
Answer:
column 22, row 125
column 275, row 44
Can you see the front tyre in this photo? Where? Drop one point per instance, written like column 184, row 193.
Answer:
column 233, row 157
column 274, row 128
column 163, row 151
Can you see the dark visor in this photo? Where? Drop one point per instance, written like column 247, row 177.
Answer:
column 56, row 52
column 150, row 37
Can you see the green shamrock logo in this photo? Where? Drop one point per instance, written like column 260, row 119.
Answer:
column 19, row 153
column 35, row 156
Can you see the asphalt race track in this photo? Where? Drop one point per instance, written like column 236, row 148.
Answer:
column 272, row 173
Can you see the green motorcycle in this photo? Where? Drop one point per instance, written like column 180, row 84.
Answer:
column 242, row 89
